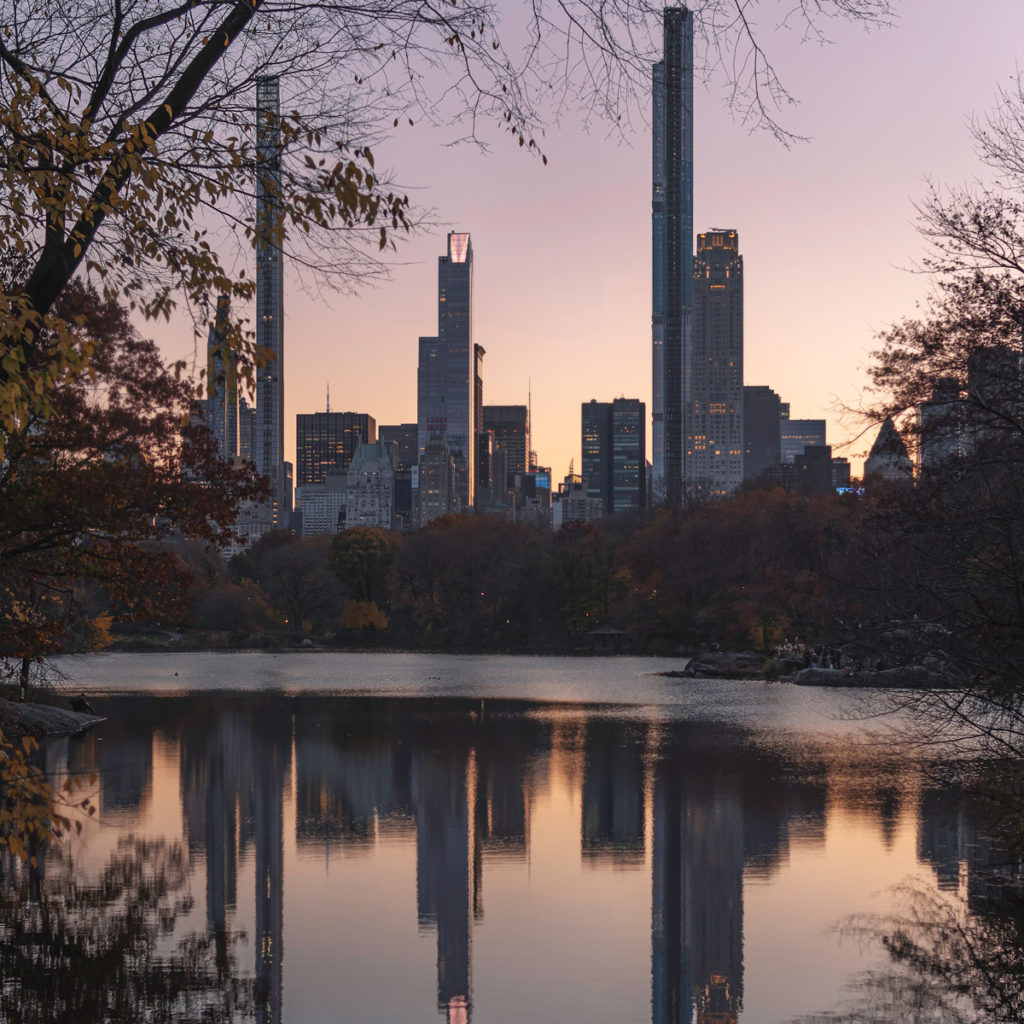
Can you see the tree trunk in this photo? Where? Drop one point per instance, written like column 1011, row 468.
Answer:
column 23, row 679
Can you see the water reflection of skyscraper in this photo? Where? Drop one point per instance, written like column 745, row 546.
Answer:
column 269, row 781
column 613, row 792
column 717, row 805
column 234, row 770
column 963, row 858
column 464, row 775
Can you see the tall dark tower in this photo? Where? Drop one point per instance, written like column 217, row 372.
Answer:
column 672, row 250
column 713, row 411
column 269, row 453
column 449, row 367
column 222, row 374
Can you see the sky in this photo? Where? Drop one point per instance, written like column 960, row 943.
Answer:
column 562, row 251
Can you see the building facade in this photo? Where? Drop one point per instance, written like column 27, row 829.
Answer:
column 325, row 442
column 510, row 425
column 222, row 383
column 405, row 438
column 370, row 494
column 796, row 435
column 713, row 407
column 613, row 438
column 269, row 434
column 321, row 506
column 449, row 366
column 573, row 503
column 671, row 249
column 246, row 429
column 629, row 465
column 436, row 482
column 762, row 414
column 596, row 450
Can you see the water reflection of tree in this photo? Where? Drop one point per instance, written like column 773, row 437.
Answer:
column 948, row 962
column 108, row 949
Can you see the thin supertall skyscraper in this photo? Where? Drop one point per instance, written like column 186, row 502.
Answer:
column 713, row 411
column 269, row 453
column 672, row 250
column 449, row 368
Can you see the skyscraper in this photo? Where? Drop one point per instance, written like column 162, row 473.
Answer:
column 510, row 425
column 404, row 437
column 246, row 429
column 269, row 453
column 448, row 368
column 762, row 412
column 222, row 377
column 713, row 410
column 629, row 467
column 326, row 442
column 596, row 451
column 796, row 435
column 671, row 249
column 614, row 437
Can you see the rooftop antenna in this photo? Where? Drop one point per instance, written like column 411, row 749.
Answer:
column 328, row 396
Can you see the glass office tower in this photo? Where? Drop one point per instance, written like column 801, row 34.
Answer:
column 713, row 412
column 448, row 368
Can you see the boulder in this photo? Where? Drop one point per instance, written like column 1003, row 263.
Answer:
column 44, row 720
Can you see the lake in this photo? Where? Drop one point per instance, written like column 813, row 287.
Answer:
column 317, row 837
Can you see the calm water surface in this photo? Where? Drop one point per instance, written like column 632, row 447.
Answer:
column 399, row 838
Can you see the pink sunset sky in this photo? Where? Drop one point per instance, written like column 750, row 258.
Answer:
column 562, row 252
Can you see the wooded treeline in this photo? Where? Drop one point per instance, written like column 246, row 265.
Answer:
column 747, row 572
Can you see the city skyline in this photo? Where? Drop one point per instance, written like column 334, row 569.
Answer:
column 563, row 298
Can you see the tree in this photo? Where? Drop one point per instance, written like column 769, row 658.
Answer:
column 108, row 949
column 583, row 560
column 129, row 152
column 294, row 576
column 360, row 557
column 476, row 581
column 110, row 468
column 951, row 549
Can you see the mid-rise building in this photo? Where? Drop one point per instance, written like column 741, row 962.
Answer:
column 370, row 494
column 449, row 365
column 574, row 503
column 325, row 442
column 596, row 450
column 840, row 471
column 796, row 435
column 321, row 505
column 614, row 440
column 510, row 425
column 436, row 481
column 629, row 465
column 762, row 414
column 814, row 470
column 405, row 438
column 713, row 399
column 671, row 249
